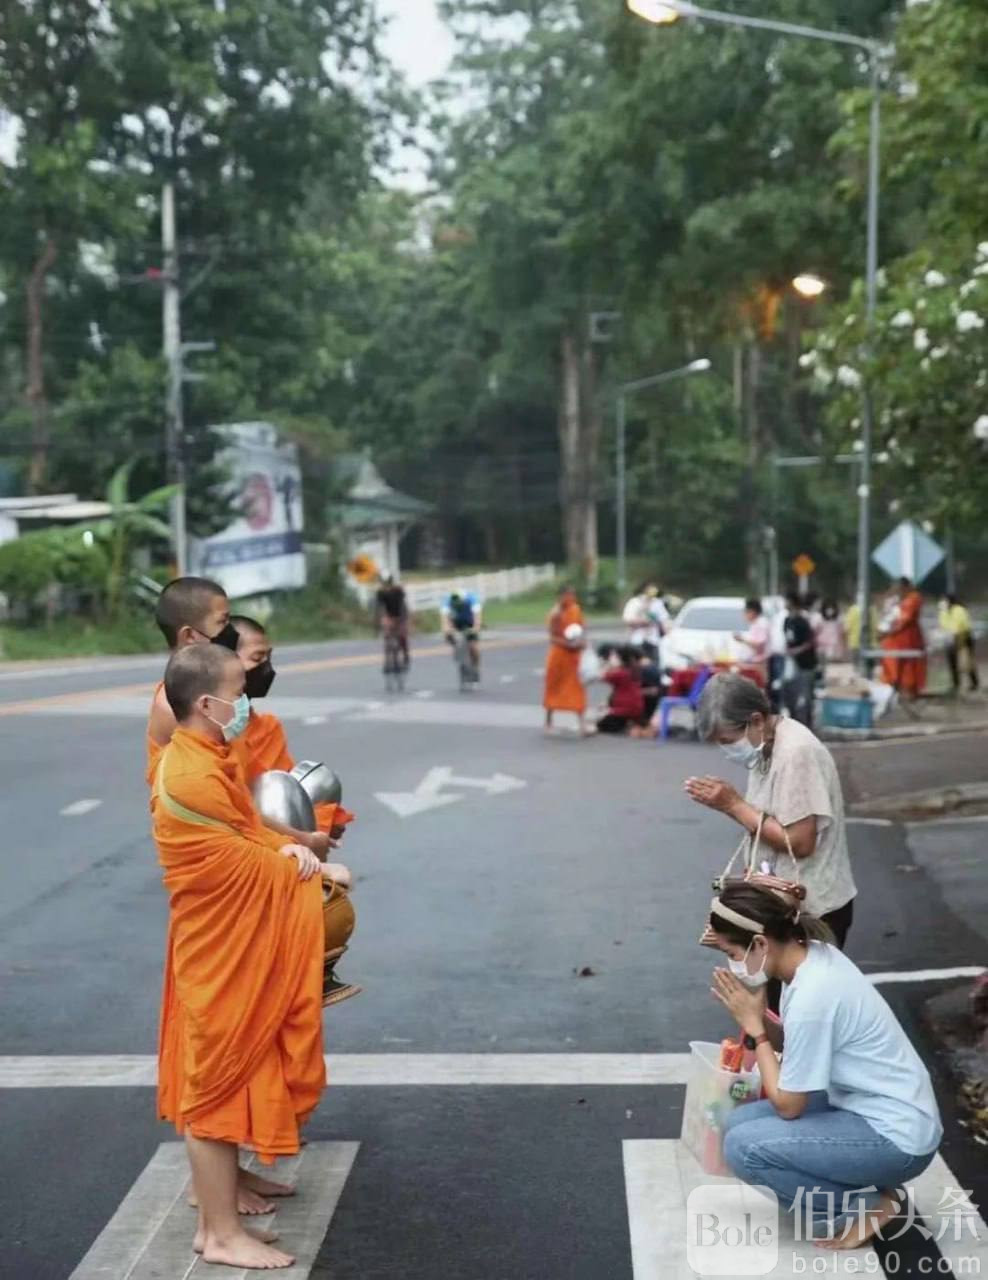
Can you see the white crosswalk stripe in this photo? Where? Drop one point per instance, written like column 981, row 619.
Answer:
column 150, row 1235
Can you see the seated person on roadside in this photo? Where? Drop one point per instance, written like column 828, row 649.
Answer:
column 758, row 637
column 650, row 679
column 793, row 781
column 626, row 705
column 850, row 1114
column 462, row 614
column 240, row 1058
column 391, row 613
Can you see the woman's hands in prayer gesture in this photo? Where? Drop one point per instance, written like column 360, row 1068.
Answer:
column 308, row 863
column 713, row 792
column 746, row 1007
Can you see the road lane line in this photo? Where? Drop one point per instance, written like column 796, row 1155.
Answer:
column 928, row 975
column 869, row 822
column 79, row 807
column 150, row 1235
column 377, row 1070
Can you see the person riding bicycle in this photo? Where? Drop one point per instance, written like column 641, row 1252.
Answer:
column 461, row 615
column 391, row 615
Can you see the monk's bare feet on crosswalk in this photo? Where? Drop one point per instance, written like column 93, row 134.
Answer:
column 254, row 1194
column 243, row 1250
column 264, row 1186
column 265, row 1237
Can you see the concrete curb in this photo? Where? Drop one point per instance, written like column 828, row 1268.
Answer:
column 917, row 730
column 932, row 803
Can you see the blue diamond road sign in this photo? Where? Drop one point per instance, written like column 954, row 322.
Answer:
column 908, row 553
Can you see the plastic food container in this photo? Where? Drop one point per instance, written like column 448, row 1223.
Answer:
column 711, row 1096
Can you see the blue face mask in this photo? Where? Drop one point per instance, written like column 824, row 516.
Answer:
column 241, row 715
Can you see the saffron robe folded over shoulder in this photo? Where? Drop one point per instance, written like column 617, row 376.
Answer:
column 267, row 749
column 240, row 1055
column 564, row 690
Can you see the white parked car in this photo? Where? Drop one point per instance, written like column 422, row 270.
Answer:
column 704, row 631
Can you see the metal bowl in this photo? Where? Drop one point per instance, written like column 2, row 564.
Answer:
column 319, row 782
column 282, row 802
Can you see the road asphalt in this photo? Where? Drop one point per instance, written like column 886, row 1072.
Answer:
column 477, row 916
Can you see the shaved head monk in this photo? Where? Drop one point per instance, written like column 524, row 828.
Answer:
column 240, row 1048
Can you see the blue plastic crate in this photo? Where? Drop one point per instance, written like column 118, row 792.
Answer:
column 848, row 713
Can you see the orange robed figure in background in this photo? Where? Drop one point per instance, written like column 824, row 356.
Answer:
column 240, row 1044
column 907, row 675
column 564, row 689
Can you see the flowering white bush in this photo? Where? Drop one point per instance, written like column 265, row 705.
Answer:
column 928, row 376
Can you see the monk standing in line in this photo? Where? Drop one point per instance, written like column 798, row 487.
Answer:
column 240, row 1056
column 564, row 689
column 196, row 612
column 906, row 675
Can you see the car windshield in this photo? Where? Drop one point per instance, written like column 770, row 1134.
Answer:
column 712, row 617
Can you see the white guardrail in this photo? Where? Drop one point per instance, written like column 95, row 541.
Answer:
column 503, row 584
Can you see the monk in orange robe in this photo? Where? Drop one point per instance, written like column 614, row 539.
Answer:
column 267, row 748
column 564, row 689
column 196, row 611
column 240, row 1058
column 907, row 675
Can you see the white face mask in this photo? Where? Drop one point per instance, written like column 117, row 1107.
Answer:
column 740, row 970
column 742, row 752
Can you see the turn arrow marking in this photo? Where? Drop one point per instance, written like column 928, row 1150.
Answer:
column 431, row 794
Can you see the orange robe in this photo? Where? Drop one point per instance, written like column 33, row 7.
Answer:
column 908, row 675
column 240, row 1054
column 266, row 748
column 564, row 690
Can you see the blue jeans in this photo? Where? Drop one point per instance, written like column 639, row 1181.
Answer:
column 826, row 1150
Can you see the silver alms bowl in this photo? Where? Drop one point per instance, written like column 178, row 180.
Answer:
column 282, row 802
column 319, row 782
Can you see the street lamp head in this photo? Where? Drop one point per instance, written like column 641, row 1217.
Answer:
column 654, row 11
column 808, row 285
column 699, row 366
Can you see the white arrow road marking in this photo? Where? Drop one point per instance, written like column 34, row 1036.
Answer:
column 151, row 1232
column 315, row 720
column 78, row 807
column 430, row 793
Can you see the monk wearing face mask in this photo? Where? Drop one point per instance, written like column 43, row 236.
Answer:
column 240, row 1046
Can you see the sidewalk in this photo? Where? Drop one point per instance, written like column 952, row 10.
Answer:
column 936, row 712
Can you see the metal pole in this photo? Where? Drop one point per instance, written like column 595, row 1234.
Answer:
column 172, row 344
column 867, row 414
column 622, row 496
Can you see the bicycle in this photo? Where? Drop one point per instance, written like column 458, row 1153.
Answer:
column 466, row 666
column 394, row 661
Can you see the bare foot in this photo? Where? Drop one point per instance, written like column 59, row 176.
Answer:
column 861, row 1228
column 249, row 1202
column 264, row 1186
column 242, row 1250
column 265, row 1237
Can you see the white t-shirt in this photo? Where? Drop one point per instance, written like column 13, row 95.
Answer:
column 802, row 780
column 841, row 1036
column 758, row 639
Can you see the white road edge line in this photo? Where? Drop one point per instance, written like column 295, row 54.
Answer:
column 929, row 975
column 377, row 1070
column 79, row 807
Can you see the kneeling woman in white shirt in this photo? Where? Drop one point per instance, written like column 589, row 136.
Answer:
column 851, row 1107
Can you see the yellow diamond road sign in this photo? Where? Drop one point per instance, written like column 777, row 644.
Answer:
column 803, row 566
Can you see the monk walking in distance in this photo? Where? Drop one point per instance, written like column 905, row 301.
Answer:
column 240, row 1057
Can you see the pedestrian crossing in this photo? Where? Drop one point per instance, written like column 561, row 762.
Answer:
column 149, row 1237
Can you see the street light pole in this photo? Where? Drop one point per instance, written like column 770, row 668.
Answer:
column 663, row 12
column 621, row 477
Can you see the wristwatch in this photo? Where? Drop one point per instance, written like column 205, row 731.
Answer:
column 752, row 1042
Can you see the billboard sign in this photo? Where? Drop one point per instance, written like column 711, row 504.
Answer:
column 262, row 549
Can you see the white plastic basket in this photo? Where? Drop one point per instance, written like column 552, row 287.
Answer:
column 711, row 1095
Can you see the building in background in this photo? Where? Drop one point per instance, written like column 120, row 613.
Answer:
column 372, row 518
column 261, row 550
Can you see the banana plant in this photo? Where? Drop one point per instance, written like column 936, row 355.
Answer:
column 130, row 523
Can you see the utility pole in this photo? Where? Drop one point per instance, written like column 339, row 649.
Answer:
column 172, row 334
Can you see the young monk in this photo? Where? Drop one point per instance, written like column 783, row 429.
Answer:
column 196, row 611
column 240, row 1048
column 267, row 748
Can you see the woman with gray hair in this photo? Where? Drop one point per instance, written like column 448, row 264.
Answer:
column 792, row 780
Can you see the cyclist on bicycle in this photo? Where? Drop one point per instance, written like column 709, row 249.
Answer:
column 461, row 614
column 391, row 615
